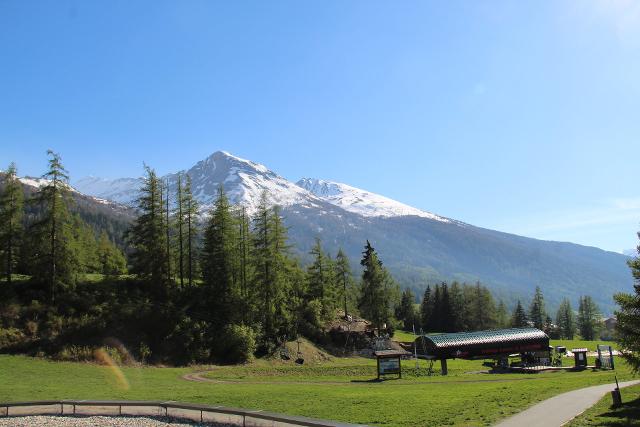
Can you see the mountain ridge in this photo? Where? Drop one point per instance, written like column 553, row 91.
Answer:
column 419, row 248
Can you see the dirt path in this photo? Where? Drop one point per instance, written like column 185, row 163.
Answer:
column 199, row 376
column 562, row 408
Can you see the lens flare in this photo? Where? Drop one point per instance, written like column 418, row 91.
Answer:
column 103, row 358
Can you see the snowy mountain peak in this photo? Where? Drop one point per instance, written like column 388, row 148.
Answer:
column 360, row 201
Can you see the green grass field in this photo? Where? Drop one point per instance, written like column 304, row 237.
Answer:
column 602, row 414
column 339, row 389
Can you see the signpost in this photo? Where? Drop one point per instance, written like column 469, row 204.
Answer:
column 389, row 362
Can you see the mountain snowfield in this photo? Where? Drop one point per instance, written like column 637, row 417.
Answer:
column 245, row 181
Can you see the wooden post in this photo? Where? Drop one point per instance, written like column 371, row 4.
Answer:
column 378, row 367
column 443, row 366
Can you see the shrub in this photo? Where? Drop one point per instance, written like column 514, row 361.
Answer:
column 75, row 353
column 10, row 337
column 236, row 344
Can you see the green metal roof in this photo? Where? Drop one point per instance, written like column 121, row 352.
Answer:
column 486, row 337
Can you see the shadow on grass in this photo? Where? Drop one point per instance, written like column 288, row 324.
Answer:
column 626, row 415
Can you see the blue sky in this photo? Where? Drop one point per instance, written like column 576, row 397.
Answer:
column 518, row 116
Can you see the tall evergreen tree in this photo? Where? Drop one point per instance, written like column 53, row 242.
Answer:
column 147, row 234
column 55, row 261
column 502, row 316
column 344, row 278
column 565, row 319
column 588, row 318
column 190, row 212
column 406, row 312
column 180, row 223
column 111, row 259
column 11, row 214
column 321, row 280
column 537, row 312
column 426, row 310
column 519, row 318
column 484, row 308
column 376, row 297
column 628, row 317
column 219, row 261
column 269, row 256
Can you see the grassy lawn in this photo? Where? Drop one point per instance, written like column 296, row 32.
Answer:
column 339, row 389
column 602, row 414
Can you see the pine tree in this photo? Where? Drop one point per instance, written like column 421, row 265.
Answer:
column 147, row 235
column 376, row 295
column 458, row 311
column 180, row 222
column 484, row 308
column 321, row 280
column 55, row 262
column 588, row 318
column 628, row 318
column 11, row 214
column 537, row 313
column 565, row 319
column 519, row 319
column 111, row 259
column 271, row 264
column 344, row 278
column 502, row 316
column 406, row 312
column 219, row 261
column 426, row 310
column 190, row 211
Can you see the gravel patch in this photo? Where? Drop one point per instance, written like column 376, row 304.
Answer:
column 101, row 421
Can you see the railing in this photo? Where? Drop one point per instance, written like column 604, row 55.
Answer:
column 238, row 416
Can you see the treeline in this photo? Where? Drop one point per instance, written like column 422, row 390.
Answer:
column 462, row 307
column 41, row 238
column 254, row 292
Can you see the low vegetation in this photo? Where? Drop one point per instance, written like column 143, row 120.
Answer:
column 604, row 414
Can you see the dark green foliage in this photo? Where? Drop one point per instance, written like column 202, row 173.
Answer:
column 220, row 272
column 537, row 313
column 503, row 320
column 565, row 320
column 236, row 344
column 377, row 289
column 519, row 318
column 54, row 259
column 589, row 318
column 628, row 318
column 406, row 311
column 147, row 236
column 321, row 281
column 344, row 282
column 11, row 217
column 457, row 308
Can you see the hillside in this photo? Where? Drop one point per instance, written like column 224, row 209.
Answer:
column 418, row 247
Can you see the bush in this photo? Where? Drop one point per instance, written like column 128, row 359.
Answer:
column 236, row 344
column 75, row 353
column 10, row 337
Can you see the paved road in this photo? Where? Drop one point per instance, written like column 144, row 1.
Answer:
column 562, row 408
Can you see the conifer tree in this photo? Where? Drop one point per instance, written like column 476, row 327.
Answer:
column 344, row 278
column 111, row 259
column 588, row 318
column 458, row 310
column 537, row 313
column 483, row 308
column 269, row 255
column 628, row 317
column 147, row 234
column 519, row 319
column 180, row 222
column 565, row 319
column 426, row 310
column 190, row 212
column 11, row 216
column 321, row 280
column 502, row 316
column 376, row 296
column 55, row 262
column 406, row 312
column 219, row 260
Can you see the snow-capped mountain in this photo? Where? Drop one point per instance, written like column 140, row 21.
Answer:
column 244, row 182
column 122, row 190
column 418, row 247
column 361, row 201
